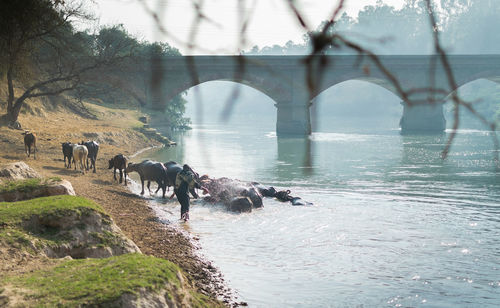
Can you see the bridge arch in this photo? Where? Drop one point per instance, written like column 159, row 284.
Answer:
column 247, row 104
column 283, row 78
column 356, row 101
column 356, row 76
column 475, row 92
column 488, row 75
column 273, row 90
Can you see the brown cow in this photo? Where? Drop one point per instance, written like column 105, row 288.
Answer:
column 29, row 141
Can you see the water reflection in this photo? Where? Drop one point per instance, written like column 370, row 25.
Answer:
column 176, row 153
column 294, row 154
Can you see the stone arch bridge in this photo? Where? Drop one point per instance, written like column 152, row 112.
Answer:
column 283, row 78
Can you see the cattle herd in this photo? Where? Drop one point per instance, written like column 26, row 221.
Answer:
column 84, row 155
column 80, row 154
column 224, row 190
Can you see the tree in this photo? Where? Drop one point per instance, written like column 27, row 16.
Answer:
column 41, row 53
column 473, row 29
column 149, row 55
column 24, row 25
column 110, row 82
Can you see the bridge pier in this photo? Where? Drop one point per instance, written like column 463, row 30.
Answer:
column 293, row 119
column 422, row 118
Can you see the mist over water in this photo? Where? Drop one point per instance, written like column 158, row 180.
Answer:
column 392, row 224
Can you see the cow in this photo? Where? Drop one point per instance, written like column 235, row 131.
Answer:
column 67, row 149
column 172, row 169
column 93, row 148
column 150, row 171
column 119, row 162
column 29, row 141
column 80, row 153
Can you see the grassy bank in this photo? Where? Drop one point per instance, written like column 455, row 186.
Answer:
column 116, row 132
column 109, row 282
column 34, row 226
column 27, row 185
column 55, row 207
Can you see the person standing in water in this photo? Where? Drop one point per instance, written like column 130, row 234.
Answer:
column 184, row 182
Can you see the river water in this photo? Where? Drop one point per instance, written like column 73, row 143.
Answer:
column 392, row 225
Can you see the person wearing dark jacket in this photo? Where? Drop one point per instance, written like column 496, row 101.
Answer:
column 185, row 181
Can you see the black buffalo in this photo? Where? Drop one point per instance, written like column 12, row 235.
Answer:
column 172, row 169
column 119, row 162
column 93, row 148
column 150, row 171
column 29, row 142
column 67, row 149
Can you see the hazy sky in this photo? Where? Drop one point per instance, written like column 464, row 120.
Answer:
column 270, row 21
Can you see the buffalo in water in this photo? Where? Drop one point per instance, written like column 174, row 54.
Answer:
column 239, row 196
column 173, row 169
column 150, row 171
column 235, row 195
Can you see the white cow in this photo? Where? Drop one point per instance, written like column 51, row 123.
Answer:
column 80, row 153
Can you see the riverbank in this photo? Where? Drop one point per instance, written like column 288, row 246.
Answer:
column 114, row 130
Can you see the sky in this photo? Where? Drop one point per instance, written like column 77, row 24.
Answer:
column 269, row 21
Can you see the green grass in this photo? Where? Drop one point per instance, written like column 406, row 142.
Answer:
column 82, row 282
column 99, row 281
column 26, row 185
column 93, row 281
column 22, row 185
column 15, row 238
column 53, row 206
column 15, row 218
column 107, row 239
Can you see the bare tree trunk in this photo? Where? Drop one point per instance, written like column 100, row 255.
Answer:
column 13, row 109
column 13, row 113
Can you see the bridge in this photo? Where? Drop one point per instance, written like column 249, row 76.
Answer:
column 284, row 79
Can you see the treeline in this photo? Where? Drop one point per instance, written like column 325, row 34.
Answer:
column 42, row 54
column 466, row 27
column 128, row 82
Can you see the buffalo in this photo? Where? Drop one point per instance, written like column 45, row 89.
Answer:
column 150, row 171
column 93, row 148
column 173, row 169
column 67, row 149
column 29, row 141
column 119, row 162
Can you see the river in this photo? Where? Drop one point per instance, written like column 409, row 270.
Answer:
column 392, row 225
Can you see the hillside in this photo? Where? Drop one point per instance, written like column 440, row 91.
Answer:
column 115, row 130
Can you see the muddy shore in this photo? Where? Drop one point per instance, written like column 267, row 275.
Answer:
column 130, row 212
